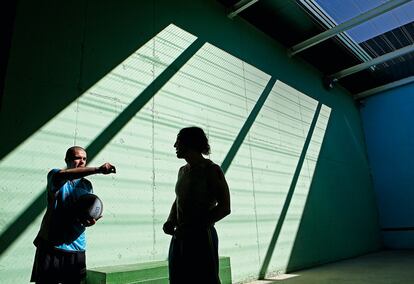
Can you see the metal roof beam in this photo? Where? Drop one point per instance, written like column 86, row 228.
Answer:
column 240, row 6
column 346, row 26
column 383, row 88
column 375, row 61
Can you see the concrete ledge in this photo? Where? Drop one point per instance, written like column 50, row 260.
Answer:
column 155, row 272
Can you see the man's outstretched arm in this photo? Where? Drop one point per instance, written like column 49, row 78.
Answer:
column 80, row 172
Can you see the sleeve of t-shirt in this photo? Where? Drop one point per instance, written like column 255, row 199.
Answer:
column 50, row 185
column 87, row 186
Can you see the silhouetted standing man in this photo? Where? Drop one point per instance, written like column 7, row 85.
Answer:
column 202, row 198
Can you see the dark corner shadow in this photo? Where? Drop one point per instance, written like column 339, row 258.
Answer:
column 114, row 56
column 276, row 233
column 18, row 226
column 8, row 14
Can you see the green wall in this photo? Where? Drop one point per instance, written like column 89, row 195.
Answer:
column 122, row 78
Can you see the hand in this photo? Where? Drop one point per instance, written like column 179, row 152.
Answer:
column 107, row 168
column 90, row 222
column 168, row 228
column 179, row 232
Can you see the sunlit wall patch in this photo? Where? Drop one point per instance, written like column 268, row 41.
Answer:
column 23, row 171
column 212, row 89
column 80, row 122
column 288, row 233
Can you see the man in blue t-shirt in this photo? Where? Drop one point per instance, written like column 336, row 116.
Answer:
column 61, row 243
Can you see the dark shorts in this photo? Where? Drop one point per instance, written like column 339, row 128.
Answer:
column 193, row 257
column 52, row 265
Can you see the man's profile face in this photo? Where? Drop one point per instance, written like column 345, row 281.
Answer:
column 77, row 160
column 180, row 149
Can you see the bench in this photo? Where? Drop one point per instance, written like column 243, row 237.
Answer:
column 155, row 272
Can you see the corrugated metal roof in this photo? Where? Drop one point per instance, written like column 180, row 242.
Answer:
column 378, row 36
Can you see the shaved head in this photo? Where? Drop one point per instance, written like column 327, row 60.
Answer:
column 71, row 151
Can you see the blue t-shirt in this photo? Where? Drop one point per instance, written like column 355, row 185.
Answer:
column 60, row 225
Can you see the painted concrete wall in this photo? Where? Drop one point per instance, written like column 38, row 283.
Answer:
column 389, row 131
column 300, row 185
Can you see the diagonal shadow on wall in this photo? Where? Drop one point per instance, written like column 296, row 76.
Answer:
column 289, row 196
column 18, row 226
column 247, row 125
column 65, row 52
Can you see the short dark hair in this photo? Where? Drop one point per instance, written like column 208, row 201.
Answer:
column 71, row 150
column 194, row 138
